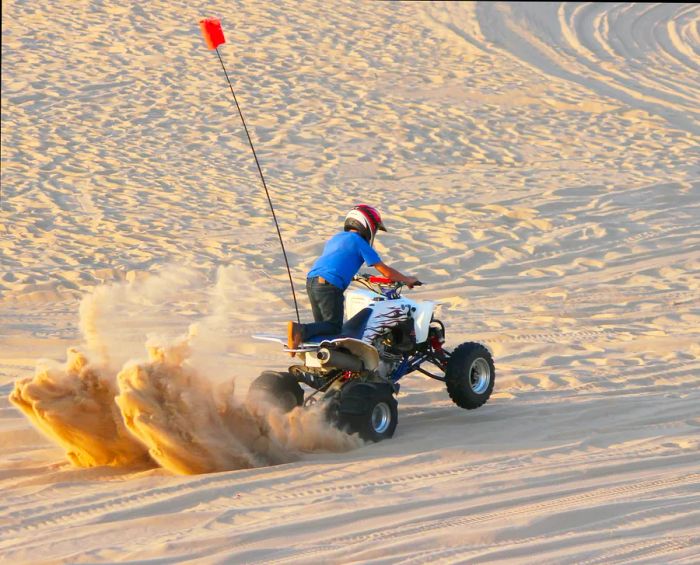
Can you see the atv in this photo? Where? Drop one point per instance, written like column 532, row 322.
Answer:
column 356, row 373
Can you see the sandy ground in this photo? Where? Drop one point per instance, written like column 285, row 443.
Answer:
column 537, row 166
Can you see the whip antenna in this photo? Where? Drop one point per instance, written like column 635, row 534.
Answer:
column 214, row 36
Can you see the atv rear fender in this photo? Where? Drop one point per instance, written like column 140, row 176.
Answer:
column 355, row 396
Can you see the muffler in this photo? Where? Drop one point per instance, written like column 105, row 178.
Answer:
column 339, row 360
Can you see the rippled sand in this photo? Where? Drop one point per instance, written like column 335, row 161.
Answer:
column 536, row 165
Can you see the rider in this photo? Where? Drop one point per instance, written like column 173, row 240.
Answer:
column 333, row 271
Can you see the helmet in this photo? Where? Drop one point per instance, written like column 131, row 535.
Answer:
column 365, row 220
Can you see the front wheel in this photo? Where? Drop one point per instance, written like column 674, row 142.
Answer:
column 470, row 375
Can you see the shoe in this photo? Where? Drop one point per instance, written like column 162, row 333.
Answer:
column 293, row 336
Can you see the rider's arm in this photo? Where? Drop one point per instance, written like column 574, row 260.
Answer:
column 394, row 275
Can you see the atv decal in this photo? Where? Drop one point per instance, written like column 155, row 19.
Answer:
column 382, row 321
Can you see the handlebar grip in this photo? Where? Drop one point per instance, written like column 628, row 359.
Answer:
column 418, row 283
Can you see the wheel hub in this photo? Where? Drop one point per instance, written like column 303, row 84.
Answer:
column 381, row 417
column 479, row 375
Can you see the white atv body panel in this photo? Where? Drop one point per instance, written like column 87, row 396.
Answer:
column 359, row 299
column 423, row 315
column 308, row 350
column 387, row 313
column 367, row 353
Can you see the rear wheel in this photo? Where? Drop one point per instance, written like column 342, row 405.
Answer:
column 280, row 389
column 470, row 375
column 369, row 410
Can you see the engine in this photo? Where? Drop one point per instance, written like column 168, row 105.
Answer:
column 393, row 344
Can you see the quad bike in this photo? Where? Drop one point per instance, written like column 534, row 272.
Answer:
column 356, row 373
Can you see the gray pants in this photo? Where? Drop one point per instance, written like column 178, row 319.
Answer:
column 327, row 305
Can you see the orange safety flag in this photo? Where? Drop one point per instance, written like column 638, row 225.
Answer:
column 212, row 32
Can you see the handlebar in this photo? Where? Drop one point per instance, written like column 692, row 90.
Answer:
column 382, row 281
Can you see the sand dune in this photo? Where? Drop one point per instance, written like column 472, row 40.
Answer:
column 537, row 166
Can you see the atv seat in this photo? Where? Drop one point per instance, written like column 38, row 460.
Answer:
column 353, row 328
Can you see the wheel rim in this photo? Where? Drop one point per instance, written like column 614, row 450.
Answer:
column 381, row 417
column 479, row 375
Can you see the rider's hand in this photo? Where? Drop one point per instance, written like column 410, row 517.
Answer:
column 410, row 281
column 396, row 276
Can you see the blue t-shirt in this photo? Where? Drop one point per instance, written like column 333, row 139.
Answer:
column 342, row 257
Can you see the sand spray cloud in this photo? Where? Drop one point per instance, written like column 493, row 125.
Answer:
column 106, row 405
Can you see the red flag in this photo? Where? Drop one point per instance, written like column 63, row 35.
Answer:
column 212, row 32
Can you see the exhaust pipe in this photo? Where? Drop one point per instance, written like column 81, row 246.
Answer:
column 339, row 360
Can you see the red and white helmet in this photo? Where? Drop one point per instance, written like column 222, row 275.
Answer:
column 366, row 220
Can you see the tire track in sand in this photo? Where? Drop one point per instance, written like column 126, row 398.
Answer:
column 209, row 489
column 451, row 519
